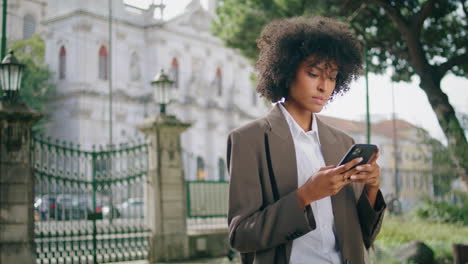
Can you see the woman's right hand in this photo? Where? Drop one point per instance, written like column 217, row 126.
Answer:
column 325, row 182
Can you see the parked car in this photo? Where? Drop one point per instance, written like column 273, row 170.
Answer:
column 104, row 208
column 78, row 206
column 71, row 207
column 132, row 208
column 63, row 207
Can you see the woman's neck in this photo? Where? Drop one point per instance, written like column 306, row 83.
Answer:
column 302, row 117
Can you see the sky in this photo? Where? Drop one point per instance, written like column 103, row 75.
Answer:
column 411, row 103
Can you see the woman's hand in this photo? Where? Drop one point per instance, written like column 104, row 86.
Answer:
column 326, row 182
column 369, row 173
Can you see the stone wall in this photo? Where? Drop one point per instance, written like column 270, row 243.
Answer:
column 16, row 184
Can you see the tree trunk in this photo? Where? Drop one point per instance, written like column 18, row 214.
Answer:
column 457, row 145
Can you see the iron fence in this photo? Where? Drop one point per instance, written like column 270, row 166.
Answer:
column 207, row 206
column 88, row 203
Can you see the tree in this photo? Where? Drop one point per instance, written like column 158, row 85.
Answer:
column 420, row 38
column 36, row 88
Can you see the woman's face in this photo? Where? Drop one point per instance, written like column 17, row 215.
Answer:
column 313, row 84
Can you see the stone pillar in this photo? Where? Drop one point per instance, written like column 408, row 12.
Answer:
column 165, row 195
column 16, row 184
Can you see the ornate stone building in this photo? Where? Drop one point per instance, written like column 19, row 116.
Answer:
column 213, row 89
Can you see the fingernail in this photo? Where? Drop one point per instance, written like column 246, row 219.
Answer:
column 359, row 168
column 353, row 177
column 360, row 159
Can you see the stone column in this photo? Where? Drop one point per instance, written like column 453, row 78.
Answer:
column 165, row 195
column 16, row 184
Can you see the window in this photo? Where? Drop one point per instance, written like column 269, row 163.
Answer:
column 103, row 63
column 200, row 169
column 222, row 169
column 62, row 63
column 135, row 67
column 175, row 72
column 219, row 82
column 29, row 26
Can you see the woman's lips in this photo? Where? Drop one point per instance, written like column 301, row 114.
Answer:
column 318, row 100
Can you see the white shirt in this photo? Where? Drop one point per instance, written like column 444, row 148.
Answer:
column 319, row 245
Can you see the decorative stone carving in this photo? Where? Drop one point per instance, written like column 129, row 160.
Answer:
column 82, row 26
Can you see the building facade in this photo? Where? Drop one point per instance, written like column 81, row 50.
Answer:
column 213, row 90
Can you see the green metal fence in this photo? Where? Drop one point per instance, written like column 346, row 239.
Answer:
column 89, row 204
column 207, row 206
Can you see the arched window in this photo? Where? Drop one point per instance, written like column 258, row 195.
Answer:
column 200, row 169
column 29, row 26
column 135, row 67
column 175, row 72
column 103, row 63
column 62, row 63
column 222, row 169
column 219, row 82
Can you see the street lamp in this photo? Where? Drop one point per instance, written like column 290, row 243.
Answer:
column 11, row 72
column 162, row 85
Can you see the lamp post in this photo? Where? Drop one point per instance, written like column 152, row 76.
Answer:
column 162, row 85
column 368, row 126
column 11, row 72
column 4, row 20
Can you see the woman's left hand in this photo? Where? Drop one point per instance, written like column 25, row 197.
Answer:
column 368, row 173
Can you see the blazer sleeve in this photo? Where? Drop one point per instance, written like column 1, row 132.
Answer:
column 254, row 226
column 370, row 218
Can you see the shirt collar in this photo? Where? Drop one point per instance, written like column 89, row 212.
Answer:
column 296, row 130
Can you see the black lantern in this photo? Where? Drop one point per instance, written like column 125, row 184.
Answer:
column 11, row 72
column 162, row 89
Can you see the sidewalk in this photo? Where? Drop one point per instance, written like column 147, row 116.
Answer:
column 223, row 260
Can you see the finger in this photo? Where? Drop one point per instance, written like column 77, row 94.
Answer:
column 360, row 176
column 374, row 157
column 327, row 167
column 346, row 166
column 349, row 173
column 365, row 168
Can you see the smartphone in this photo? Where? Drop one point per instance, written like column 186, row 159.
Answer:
column 366, row 151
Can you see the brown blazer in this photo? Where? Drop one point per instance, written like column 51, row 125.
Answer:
column 261, row 155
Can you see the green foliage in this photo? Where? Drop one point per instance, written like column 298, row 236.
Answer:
column 397, row 231
column 35, row 87
column 443, row 212
column 240, row 22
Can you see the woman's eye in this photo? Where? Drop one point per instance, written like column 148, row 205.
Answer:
column 312, row 74
column 332, row 78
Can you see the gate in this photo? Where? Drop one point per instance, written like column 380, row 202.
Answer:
column 89, row 204
column 207, row 206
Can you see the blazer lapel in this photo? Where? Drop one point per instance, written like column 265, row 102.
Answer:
column 282, row 153
column 332, row 156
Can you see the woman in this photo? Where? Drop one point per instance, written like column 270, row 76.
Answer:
column 288, row 201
